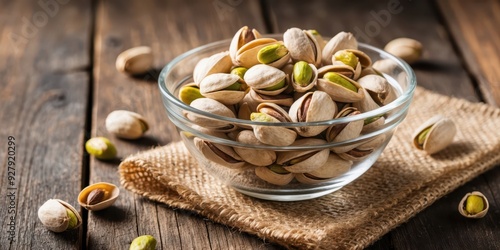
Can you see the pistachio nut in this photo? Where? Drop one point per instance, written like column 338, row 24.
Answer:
column 346, row 57
column 101, row 148
column 216, row 63
column 363, row 58
column 340, row 88
column 58, row 216
column 266, row 79
column 303, row 46
column 319, row 39
column 189, row 93
column 223, row 87
column 280, row 99
column 377, row 87
column 474, row 205
column 239, row 71
column 135, row 61
column 386, row 66
column 257, row 157
column 338, row 68
column 274, row 174
column 240, row 38
column 304, row 76
column 435, row 134
column 275, row 55
column 98, row 196
column 344, row 131
column 213, row 107
column 333, row 167
column 311, row 107
column 219, row 154
column 247, row 57
column 303, row 161
column 126, row 124
column 143, row 242
column 272, row 135
column 367, row 104
column 343, row 40
column 365, row 149
column 407, row 49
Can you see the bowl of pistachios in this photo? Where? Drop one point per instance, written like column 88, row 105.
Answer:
column 290, row 116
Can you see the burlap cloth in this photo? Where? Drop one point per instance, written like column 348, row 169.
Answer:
column 402, row 182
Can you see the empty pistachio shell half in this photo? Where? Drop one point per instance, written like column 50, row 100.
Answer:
column 101, row 148
column 59, row 216
column 143, row 242
column 435, row 134
column 126, row 124
column 474, row 205
column 98, row 196
column 407, row 49
column 135, row 61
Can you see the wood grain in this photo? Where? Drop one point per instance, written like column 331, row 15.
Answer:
column 474, row 27
column 44, row 86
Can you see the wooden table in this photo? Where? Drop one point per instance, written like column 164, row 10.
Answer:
column 58, row 83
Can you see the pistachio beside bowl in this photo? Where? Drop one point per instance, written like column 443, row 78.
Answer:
column 286, row 117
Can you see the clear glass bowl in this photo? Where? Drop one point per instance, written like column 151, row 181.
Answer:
column 179, row 72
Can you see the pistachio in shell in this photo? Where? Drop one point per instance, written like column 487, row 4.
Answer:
column 303, row 161
column 272, row 135
column 312, row 107
column 257, row 157
column 303, row 46
column 247, row 55
column 135, row 61
column 213, row 107
column 274, row 174
column 275, row 55
column 340, row 88
column 435, row 134
column 333, row 167
column 243, row 36
column 58, row 216
column 103, row 198
column 377, row 87
column 365, row 149
column 126, row 124
column 189, row 92
column 474, row 205
column 304, row 76
column 223, row 87
column 216, row 63
column 266, row 79
column 410, row 50
column 344, row 131
column 343, row 40
column 219, row 154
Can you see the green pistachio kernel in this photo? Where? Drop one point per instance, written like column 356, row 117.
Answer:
column 101, row 148
column 271, row 53
column 276, row 86
column 314, row 32
column 73, row 221
column 278, row 169
column 239, row 71
column 302, row 73
column 187, row 94
column 143, row 242
column 337, row 79
column 235, row 86
column 423, row 135
column 261, row 117
column 474, row 204
column 346, row 57
column 371, row 119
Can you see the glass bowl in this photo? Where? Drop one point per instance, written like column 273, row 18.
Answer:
column 243, row 176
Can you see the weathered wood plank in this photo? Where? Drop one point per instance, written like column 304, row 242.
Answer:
column 43, row 102
column 474, row 27
column 164, row 26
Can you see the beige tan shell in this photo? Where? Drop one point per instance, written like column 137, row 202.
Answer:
column 217, row 63
column 377, row 87
column 303, row 161
column 213, row 107
column 111, row 193
column 339, row 68
column 218, row 153
column 339, row 93
column 246, row 56
column 272, row 177
column 126, row 124
column 366, row 104
column 407, row 49
column 54, row 217
column 240, row 38
column 368, row 71
column 461, row 206
column 441, row 134
column 334, row 167
column 280, row 99
column 363, row 58
column 343, row 132
column 311, row 84
column 274, row 135
column 264, row 76
column 135, row 61
column 364, row 150
column 386, row 66
column 257, row 157
column 343, row 40
column 213, row 86
column 280, row 62
column 311, row 107
column 302, row 46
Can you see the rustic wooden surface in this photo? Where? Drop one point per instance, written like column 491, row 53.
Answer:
column 58, row 83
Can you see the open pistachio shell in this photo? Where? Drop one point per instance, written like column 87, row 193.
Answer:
column 257, row 157
column 365, row 105
column 213, row 107
column 280, row 99
column 217, row 63
column 311, row 83
column 268, row 54
column 334, row 167
column 266, row 79
column 54, row 215
column 111, row 193
column 277, row 178
column 339, row 93
column 377, row 87
column 343, row 40
column 274, row 135
column 240, row 38
column 435, row 134
column 343, row 132
column 302, row 46
column 482, row 206
column 339, row 68
column 246, row 56
column 189, row 93
column 363, row 58
column 222, row 87
column 364, row 150
column 311, row 107
column 303, row 161
column 218, row 153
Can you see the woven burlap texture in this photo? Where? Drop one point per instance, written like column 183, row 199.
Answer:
column 401, row 183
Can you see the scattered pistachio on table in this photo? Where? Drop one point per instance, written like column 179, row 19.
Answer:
column 407, row 49
column 143, row 242
column 58, row 216
column 135, row 61
column 435, row 134
column 101, row 148
column 126, row 124
column 474, row 205
column 98, row 196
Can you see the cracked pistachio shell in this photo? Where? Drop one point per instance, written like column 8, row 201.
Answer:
column 280, row 99
column 55, row 216
column 266, row 79
column 303, row 161
column 223, row 87
column 474, row 205
column 377, row 87
column 216, row 63
column 364, row 150
column 339, row 93
column 386, row 66
column 213, row 107
column 111, row 193
column 319, row 39
column 135, row 61
column 240, row 38
column 246, row 56
column 274, row 174
column 363, row 58
column 343, row 132
column 311, row 107
column 302, row 46
column 343, row 40
column 337, row 68
column 126, row 124
column 435, row 134
column 257, row 157
column 304, row 76
column 333, row 167
column 410, row 50
column 366, row 104
column 272, row 135
column 218, row 153
column 275, row 55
